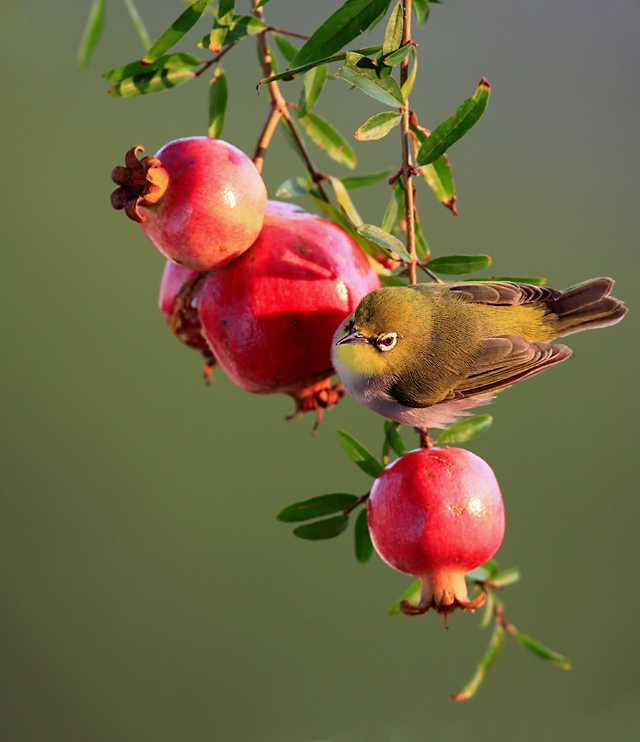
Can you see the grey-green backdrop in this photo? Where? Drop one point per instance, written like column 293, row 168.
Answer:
column 148, row 593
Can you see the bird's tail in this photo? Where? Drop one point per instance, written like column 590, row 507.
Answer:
column 586, row 305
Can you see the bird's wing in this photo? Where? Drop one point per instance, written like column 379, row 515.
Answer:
column 502, row 292
column 505, row 359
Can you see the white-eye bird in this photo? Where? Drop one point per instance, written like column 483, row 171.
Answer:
column 422, row 355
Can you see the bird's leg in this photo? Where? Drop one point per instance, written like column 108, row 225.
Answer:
column 425, row 439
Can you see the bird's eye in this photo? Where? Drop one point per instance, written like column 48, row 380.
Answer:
column 387, row 341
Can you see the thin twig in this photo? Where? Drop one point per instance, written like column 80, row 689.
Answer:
column 273, row 29
column 216, row 59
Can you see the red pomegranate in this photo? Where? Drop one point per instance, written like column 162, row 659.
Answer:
column 270, row 316
column 437, row 513
column 200, row 201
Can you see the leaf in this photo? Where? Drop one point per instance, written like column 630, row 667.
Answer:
column 217, row 103
column 316, row 507
column 487, row 613
column 394, row 59
column 439, row 178
column 338, row 217
column 421, row 11
column 241, row 26
column 491, row 655
column 221, row 23
column 169, row 62
column 491, row 567
column 458, row 264
column 92, row 33
column 508, row 577
column 390, row 215
column 357, row 181
column 363, row 545
column 261, row 3
column 455, row 127
column 532, row 281
column 378, row 126
column 291, row 73
column 534, row 646
column 407, row 87
column 323, row 135
column 364, row 74
column 412, row 594
column 176, row 31
column 359, row 454
column 479, row 574
column 293, row 187
column 393, row 437
column 285, row 47
column 384, row 239
column 138, row 24
column 344, row 200
column 321, row 529
column 346, row 24
column 157, row 81
column 422, row 249
column 393, row 32
column 465, row 430
column 314, row 81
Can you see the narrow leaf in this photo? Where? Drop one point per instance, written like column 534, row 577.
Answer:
column 217, row 103
column 455, row 127
column 156, row 82
column 390, row 215
column 439, row 178
column 323, row 135
column 221, row 24
column 508, row 577
column 359, row 454
column 393, row 32
column 293, row 187
column 491, row 655
column 384, row 239
column 394, row 59
column 412, row 594
column 422, row 249
column 92, row 33
column 314, row 81
column 491, row 566
column 393, row 437
column 339, row 217
column 291, row 73
column 465, row 430
column 458, row 264
column 378, row 126
column 487, row 613
column 285, row 47
column 169, row 62
column 138, row 24
column 261, row 3
column 176, row 31
column 321, row 529
column 364, row 74
column 407, row 87
column 479, row 574
column 532, row 281
column 241, row 26
column 357, row 181
column 344, row 200
column 421, row 11
column 317, row 507
column 363, row 545
column 346, row 24
column 547, row 654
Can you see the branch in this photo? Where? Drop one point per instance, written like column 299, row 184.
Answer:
column 406, row 165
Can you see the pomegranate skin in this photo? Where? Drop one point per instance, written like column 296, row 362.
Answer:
column 270, row 316
column 213, row 207
column 437, row 513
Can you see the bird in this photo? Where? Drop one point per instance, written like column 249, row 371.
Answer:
column 425, row 354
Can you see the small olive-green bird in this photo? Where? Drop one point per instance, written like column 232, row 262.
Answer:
column 422, row 355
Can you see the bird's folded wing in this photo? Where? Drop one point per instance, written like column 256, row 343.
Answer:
column 505, row 359
column 503, row 292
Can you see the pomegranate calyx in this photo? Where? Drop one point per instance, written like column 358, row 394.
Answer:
column 448, row 605
column 141, row 183
column 317, row 397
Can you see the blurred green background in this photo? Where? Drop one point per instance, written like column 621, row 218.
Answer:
column 148, row 593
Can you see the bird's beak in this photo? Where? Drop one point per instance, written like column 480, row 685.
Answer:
column 355, row 336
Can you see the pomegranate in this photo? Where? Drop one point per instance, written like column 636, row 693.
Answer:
column 270, row 316
column 437, row 513
column 178, row 302
column 200, row 201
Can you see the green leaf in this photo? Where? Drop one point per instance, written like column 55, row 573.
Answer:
column 261, row 3
column 217, row 103
column 491, row 655
column 359, row 454
column 176, row 31
column 491, row 567
column 412, row 594
column 508, row 577
column 338, row 216
column 384, row 239
column 458, row 264
column 293, row 187
column 157, row 81
column 532, row 281
column 479, row 574
column 438, row 177
column 393, row 32
column 314, row 81
column 168, row 62
column 394, row 59
column 407, row 87
column 422, row 249
column 421, row 11
column 487, row 613
column 364, row 74
column 357, row 181
column 138, row 24
column 241, row 26
column 378, row 126
column 323, row 135
column 92, row 33
column 344, row 200
column 321, row 529
column 547, row 654
column 291, row 73
column 455, row 127
column 285, row 47
column 339, row 29
column 317, row 507
column 221, row 24
column 465, row 430
column 363, row 545
column 393, row 437
column 390, row 215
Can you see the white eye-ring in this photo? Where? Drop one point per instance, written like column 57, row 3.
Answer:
column 387, row 341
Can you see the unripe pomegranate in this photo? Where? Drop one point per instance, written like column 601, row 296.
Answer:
column 179, row 292
column 270, row 316
column 437, row 513
column 200, row 201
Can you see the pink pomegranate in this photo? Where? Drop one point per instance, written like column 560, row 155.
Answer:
column 200, row 201
column 270, row 316
column 437, row 513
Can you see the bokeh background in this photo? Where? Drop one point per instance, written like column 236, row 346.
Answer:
column 148, row 593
